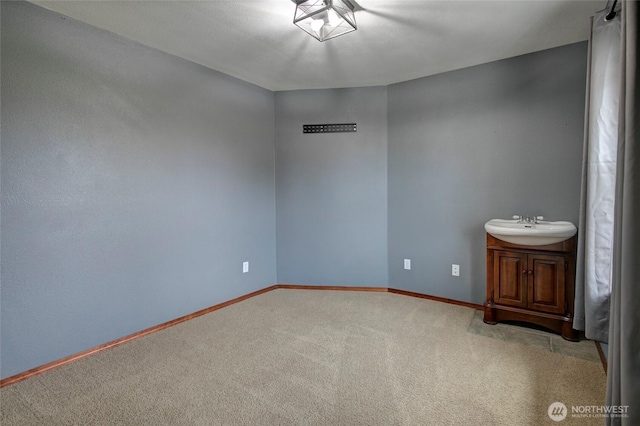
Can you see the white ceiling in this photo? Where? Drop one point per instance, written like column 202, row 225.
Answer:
column 396, row 40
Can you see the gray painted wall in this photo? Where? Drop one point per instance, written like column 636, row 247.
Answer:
column 475, row 144
column 331, row 189
column 134, row 184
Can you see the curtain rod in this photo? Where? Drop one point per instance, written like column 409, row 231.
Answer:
column 612, row 13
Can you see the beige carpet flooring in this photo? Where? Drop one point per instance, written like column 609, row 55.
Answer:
column 303, row 357
column 530, row 336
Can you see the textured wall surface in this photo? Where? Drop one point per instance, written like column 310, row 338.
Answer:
column 332, row 188
column 134, row 185
column 479, row 143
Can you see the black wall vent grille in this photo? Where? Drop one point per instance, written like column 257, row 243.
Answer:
column 329, row 128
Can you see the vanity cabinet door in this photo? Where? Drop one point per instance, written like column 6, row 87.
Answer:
column 510, row 278
column 546, row 283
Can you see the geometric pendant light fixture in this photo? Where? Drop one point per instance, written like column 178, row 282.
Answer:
column 325, row 19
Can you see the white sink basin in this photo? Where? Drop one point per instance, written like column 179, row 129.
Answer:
column 530, row 234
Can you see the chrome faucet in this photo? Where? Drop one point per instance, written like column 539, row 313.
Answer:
column 528, row 219
column 536, row 219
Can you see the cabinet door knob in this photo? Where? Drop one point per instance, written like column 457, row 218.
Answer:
column 524, row 271
column 530, row 272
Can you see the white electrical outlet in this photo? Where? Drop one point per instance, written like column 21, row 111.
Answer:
column 455, row 270
column 245, row 267
column 407, row 264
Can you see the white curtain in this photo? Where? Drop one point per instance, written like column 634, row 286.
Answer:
column 595, row 238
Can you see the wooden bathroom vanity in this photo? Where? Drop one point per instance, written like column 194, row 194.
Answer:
column 533, row 284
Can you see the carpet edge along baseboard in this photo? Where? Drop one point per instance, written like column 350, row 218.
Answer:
column 112, row 344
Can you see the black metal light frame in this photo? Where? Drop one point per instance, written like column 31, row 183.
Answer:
column 325, row 19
